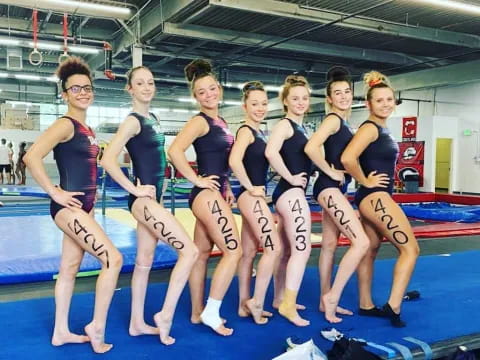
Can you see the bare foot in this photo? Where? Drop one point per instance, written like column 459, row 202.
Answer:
column 97, row 339
column 256, row 311
column 276, row 305
column 340, row 310
column 292, row 315
column 195, row 319
column 68, row 338
column 222, row 330
column 164, row 324
column 142, row 329
column 330, row 306
column 243, row 311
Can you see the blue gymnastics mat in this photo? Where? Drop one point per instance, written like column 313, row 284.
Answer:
column 30, row 248
column 447, row 309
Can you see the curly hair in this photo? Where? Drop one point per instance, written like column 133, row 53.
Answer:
column 72, row 66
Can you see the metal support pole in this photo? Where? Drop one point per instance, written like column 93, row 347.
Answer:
column 104, row 191
column 173, row 181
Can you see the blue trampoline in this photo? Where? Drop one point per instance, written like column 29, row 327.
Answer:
column 30, row 248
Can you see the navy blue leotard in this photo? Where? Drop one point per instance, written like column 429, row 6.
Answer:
column 334, row 146
column 380, row 156
column 77, row 165
column 254, row 160
column 213, row 150
column 294, row 158
column 147, row 150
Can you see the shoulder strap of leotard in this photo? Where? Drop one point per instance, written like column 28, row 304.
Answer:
column 254, row 132
column 73, row 121
column 335, row 114
column 76, row 123
column 137, row 116
column 209, row 119
column 154, row 117
column 339, row 118
column 371, row 122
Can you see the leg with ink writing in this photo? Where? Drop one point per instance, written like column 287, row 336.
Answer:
column 217, row 218
column 163, row 225
column 72, row 255
column 295, row 213
column 340, row 214
column 81, row 227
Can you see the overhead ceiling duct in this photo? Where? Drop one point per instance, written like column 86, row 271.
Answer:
column 75, row 7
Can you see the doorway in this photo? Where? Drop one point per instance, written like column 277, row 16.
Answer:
column 442, row 164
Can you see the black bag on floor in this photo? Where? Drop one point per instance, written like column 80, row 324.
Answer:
column 462, row 354
column 349, row 349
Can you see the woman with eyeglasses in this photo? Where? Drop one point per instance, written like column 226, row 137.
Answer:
column 285, row 152
column 143, row 137
column 211, row 197
column 325, row 148
column 248, row 162
column 75, row 150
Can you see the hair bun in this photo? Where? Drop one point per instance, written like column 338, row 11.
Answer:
column 338, row 73
column 252, row 85
column 374, row 78
column 295, row 80
column 197, row 67
column 71, row 66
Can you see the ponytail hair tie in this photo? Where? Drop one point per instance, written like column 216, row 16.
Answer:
column 372, row 83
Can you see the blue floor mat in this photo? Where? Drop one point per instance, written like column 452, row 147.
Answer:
column 448, row 308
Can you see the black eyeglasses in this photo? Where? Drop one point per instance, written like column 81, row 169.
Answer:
column 77, row 89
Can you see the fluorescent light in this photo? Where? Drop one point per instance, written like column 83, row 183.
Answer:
column 181, row 111
column 358, row 106
column 8, row 41
column 59, row 47
column 27, row 77
column 114, row 10
column 83, row 49
column 272, row 88
column 3, row 75
column 160, row 109
column 53, row 78
column 14, row 103
column 232, row 102
column 189, row 100
column 46, row 45
column 455, row 5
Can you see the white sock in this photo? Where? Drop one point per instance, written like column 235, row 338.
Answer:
column 211, row 314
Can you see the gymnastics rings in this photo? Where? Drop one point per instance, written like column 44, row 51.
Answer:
column 63, row 57
column 35, row 57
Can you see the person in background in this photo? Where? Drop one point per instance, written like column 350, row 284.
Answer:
column 5, row 155
column 11, row 158
column 20, row 168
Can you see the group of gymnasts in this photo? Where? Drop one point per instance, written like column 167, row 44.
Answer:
column 369, row 156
